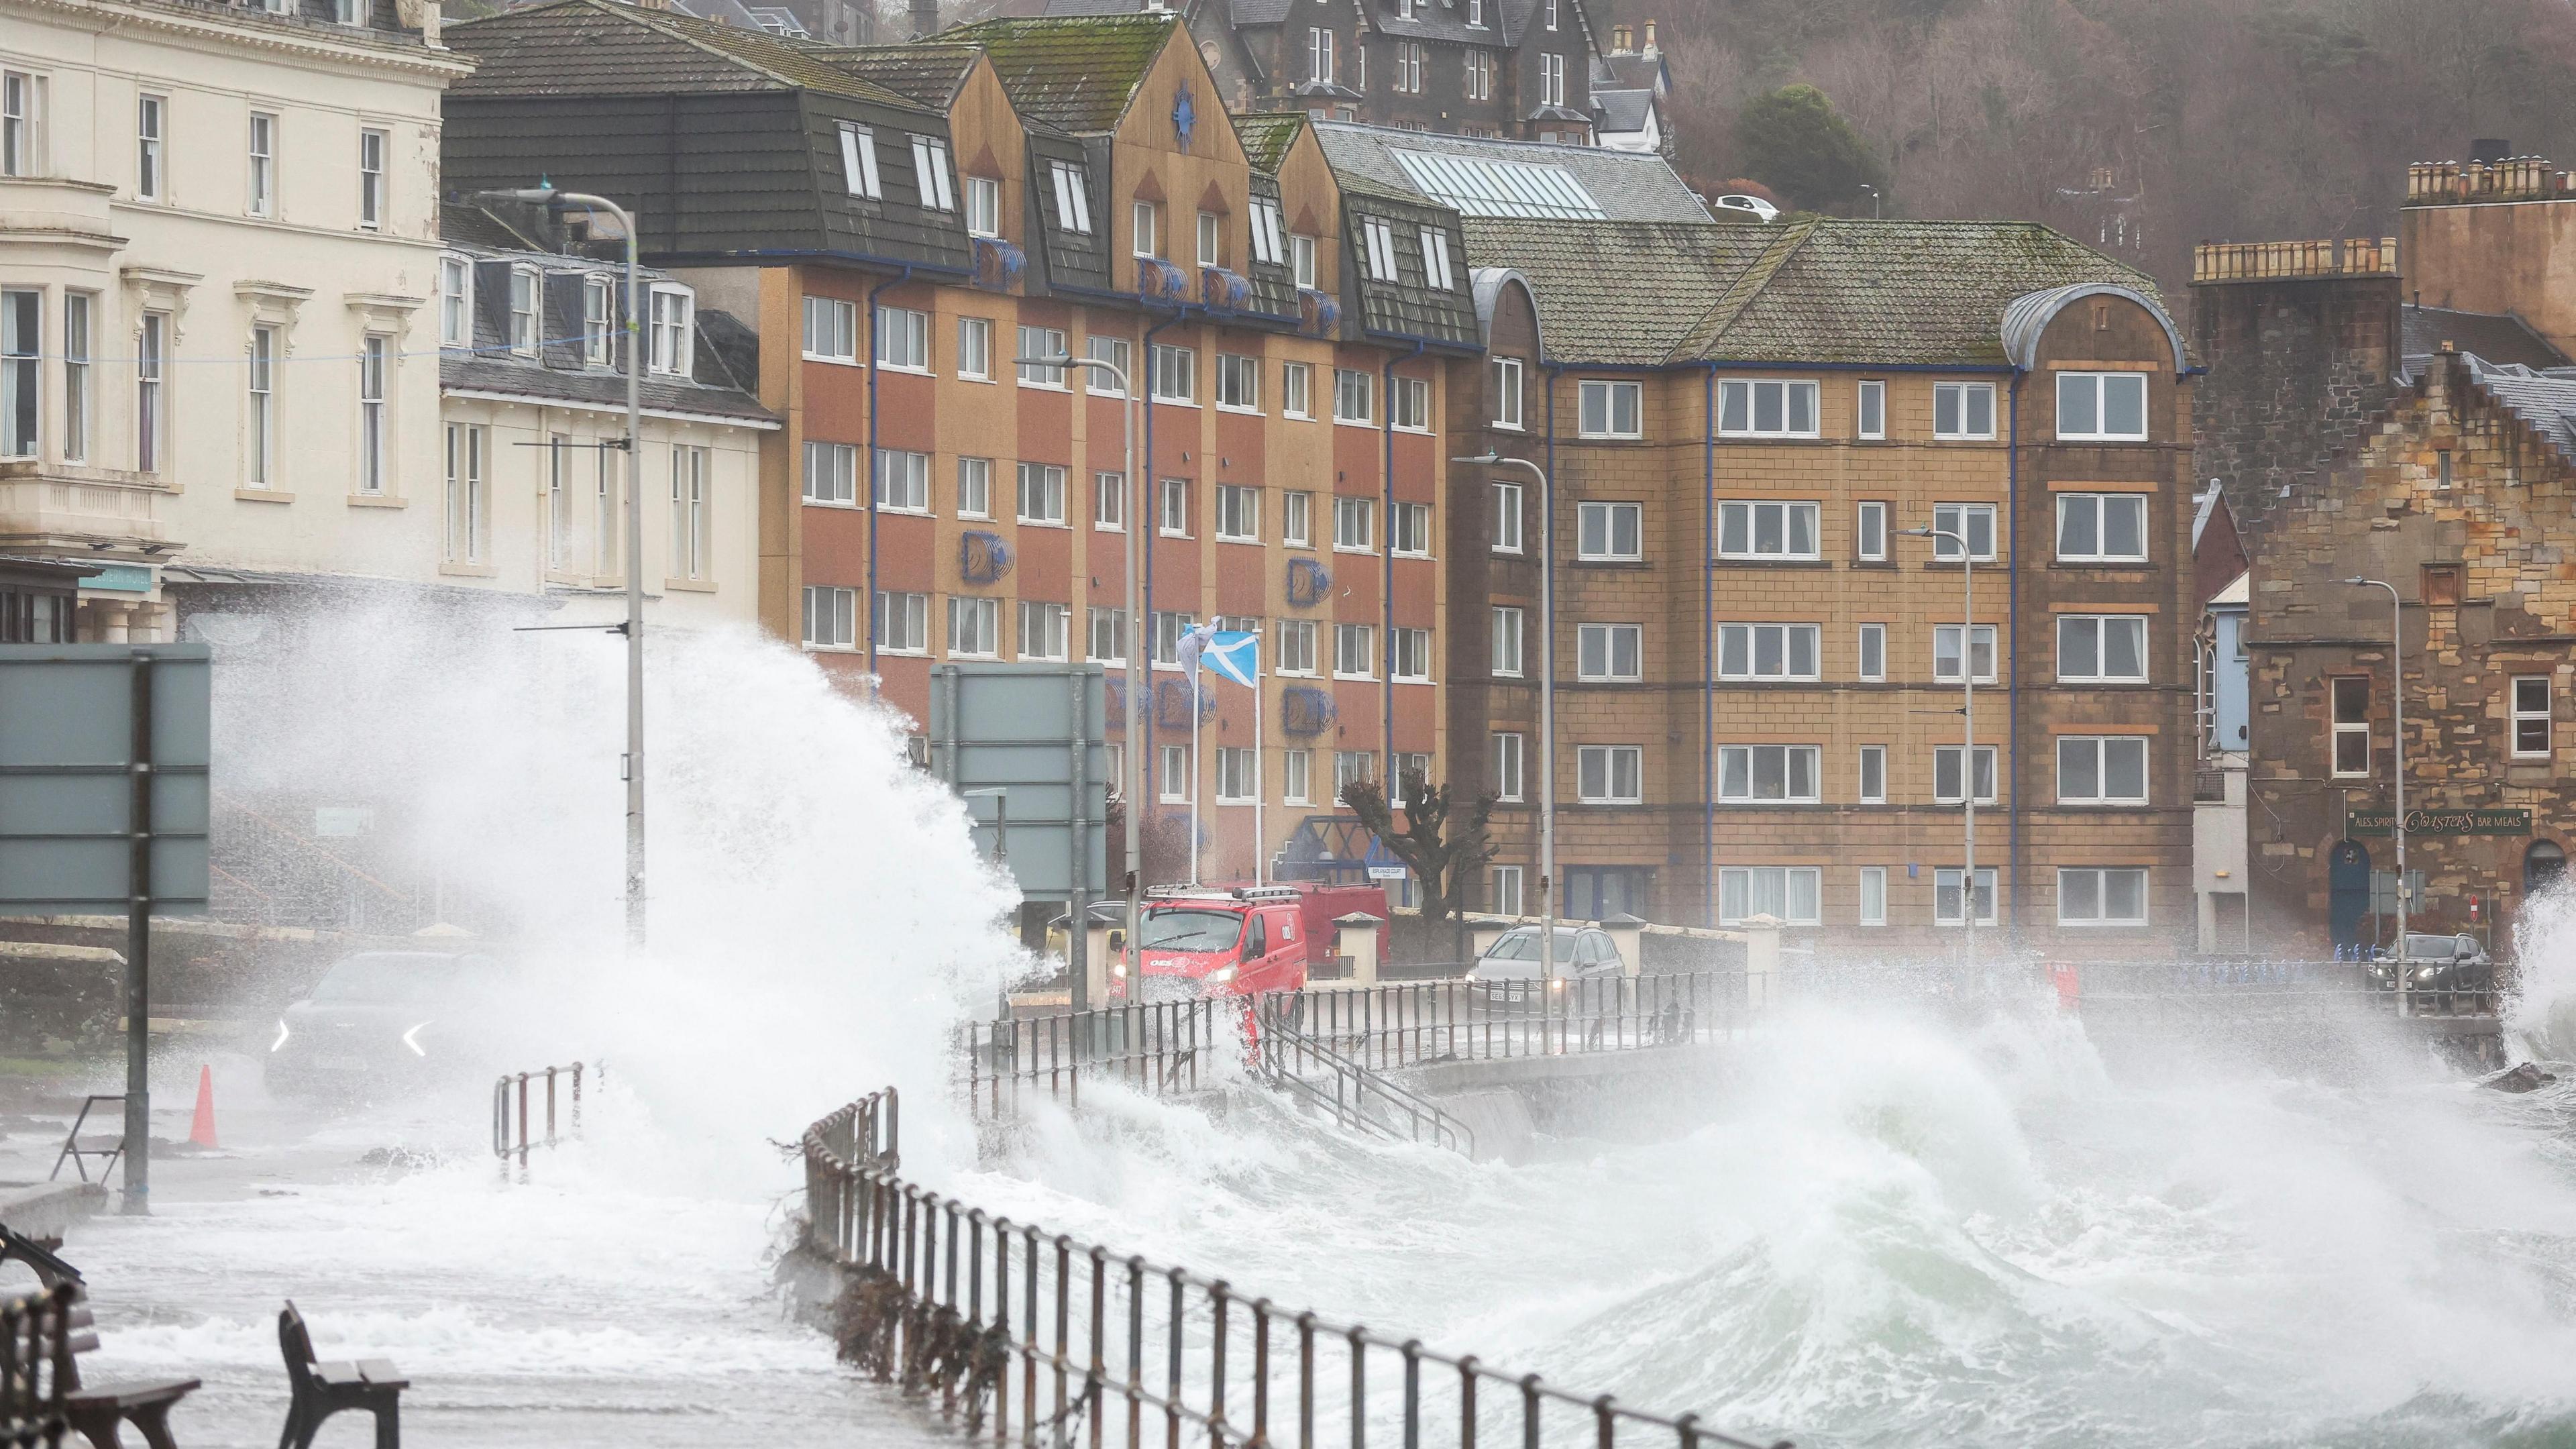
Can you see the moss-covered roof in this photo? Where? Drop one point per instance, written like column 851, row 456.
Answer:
column 1073, row 71
column 598, row 47
column 927, row 72
column 1266, row 137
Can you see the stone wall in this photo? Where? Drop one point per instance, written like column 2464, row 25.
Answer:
column 2296, row 364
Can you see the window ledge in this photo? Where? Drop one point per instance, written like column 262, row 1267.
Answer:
column 1340, row 422
column 834, row 361
column 1041, row 523
column 1230, row 538
column 1249, row 412
column 378, row 500
column 264, row 495
column 470, row 571
column 690, row 586
column 850, row 507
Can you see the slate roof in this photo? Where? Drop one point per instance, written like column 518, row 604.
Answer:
column 2544, row 399
column 1266, row 137
column 925, row 72
column 2498, row 337
column 1820, row 290
column 1259, row 12
column 1624, row 110
column 1433, row 20
column 1629, row 186
column 1628, row 70
column 600, row 47
column 1077, row 72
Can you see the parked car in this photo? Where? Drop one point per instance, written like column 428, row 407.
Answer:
column 389, row 1016
column 1752, row 206
column 1582, row 952
column 2437, row 963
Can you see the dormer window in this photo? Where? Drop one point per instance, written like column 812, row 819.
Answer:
column 1265, row 232
column 1551, row 14
column 598, row 321
column 1072, row 197
column 1381, row 250
column 523, row 311
column 1435, row 258
column 859, row 161
column 674, row 326
column 1476, row 12
column 930, row 173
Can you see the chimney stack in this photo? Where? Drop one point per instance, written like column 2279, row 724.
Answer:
column 925, row 18
column 1650, row 40
column 1619, row 41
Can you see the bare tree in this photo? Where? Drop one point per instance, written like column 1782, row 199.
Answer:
column 1443, row 850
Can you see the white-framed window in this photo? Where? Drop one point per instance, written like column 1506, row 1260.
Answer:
column 930, row 174
column 902, row 622
column 1551, row 74
column 831, row 330
column 1509, row 762
column 1503, row 895
column 902, row 481
column 79, row 399
column 1109, row 380
column 373, row 439
column 1351, row 767
column 1945, row 774
column 598, row 322
column 1770, row 651
column 1791, row 893
column 1605, row 652
column 260, row 411
column 2102, row 648
column 1946, row 896
column 151, row 117
column 1506, row 516
column 1380, row 241
column 1109, row 502
column 1609, row 532
column 1974, row 522
column 983, row 206
column 1041, row 342
column 2102, row 407
column 1297, row 777
column 1610, row 774
column 1175, row 374
column 1769, row 774
column 1234, row 776
column 975, row 348
column 372, row 148
column 831, row 617
column 1268, row 247
column 1412, row 656
column 1354, row 524
column 1753, row 530
column 1296, row 649
column 1301, row 259
column 903, row 339
column 1072, row 196
column 1238, row 382
column 1297, row 390
column 1354, row 652
column 1507, row 643
column 2531, row 717
column 1873, row 775
column 832, row 473
column 1873, row 895
column 974, row 487
column 1479, row 66
column 1435, row 257
column 1412, row 403
column 1613, row 409
column 469, row 499
column 1108, row 629
column 859, row 164
column 558, row 516
column 1319, row 55
column 2101, row 770
column 1503, row 374
column 1211, row 240
column 22, row 353
column 1046, row 630
column 607, row 512
column 1870, row 411
column 1354, row 395
column 1041, row 493
column 455, row 302
column 2350, row 723
column 1408, row 62
column 1763, row 408
column 1297, row 519
column 2101, row 527
column 2090, row 896
column 674, row 341
column 1167, row 629
column 1873, row 652
column 692, row 512
column 1869, row 533
column 22, row 123
column 1172, row 515
column 1144, row 229
column 1945, row 652
column 262, row 197
column 1963, row 410
column 526, row 289
column 1238, row 514
column 1409, row 530
column 974, row 627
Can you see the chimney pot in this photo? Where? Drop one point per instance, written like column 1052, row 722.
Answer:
column 1650, row 37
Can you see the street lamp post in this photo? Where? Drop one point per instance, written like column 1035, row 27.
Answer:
column 632, row 766
column 1968, row 740
column 1132, row 515
column 2397, row 708
column 1546, row 702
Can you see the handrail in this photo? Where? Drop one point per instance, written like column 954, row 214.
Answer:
column 913, row 1309
column 1158, row 1048
column 1286, row 1053
column 503, row 1143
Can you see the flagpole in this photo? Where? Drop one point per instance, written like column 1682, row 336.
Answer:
column 1195, row 782
column 1260, row 777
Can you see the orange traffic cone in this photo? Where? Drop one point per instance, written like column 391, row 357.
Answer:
column 202, row 1131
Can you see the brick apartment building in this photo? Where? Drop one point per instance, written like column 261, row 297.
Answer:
column 902, row 222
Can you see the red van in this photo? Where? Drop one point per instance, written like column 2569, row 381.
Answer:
column 1242, row 940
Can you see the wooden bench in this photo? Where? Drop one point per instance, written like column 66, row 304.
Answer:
column 100, row 1412
column 49, row 1268
column 324, row 1389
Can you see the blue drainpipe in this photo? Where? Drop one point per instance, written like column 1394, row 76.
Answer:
column 1386, row 574
column 876, row 625
column 1140, row 374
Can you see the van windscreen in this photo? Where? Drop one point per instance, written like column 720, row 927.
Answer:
column 1191, row 930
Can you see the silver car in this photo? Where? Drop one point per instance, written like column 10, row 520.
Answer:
column 1582, row 953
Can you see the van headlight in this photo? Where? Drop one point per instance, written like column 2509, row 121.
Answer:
column 1221, row 974
column 282, row 1035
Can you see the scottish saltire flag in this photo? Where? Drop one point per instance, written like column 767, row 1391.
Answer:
column 1193, row 644
column 1233, row 654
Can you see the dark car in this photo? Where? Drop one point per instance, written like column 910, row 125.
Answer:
column 2437, row 963
column 387, row 1016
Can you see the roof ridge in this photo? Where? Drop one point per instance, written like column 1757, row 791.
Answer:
column 666, row 23
column 1747, row 285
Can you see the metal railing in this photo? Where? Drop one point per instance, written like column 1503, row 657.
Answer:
column 1023, row 1333
column 506, row 1144
column 1354, row 1096
column 1419, row 1023
column 2285, row 985
column 36, row 1375
column 1158, row 1048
